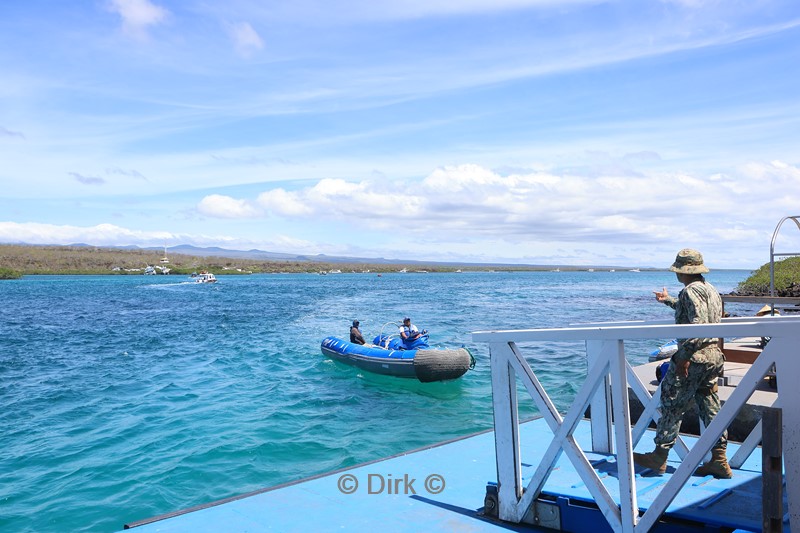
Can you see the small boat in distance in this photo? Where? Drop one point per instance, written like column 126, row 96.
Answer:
column 204, row 277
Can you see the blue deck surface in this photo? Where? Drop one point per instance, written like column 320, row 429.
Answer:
column 386, row 496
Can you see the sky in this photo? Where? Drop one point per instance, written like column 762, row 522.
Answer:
column 557, row 132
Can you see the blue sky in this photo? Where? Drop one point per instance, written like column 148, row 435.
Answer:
column 581, row 132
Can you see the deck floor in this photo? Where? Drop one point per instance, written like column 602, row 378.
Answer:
column 464, row 467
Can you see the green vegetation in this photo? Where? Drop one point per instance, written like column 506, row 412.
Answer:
column 7, row 273
column 27, row 259
column 787, row 279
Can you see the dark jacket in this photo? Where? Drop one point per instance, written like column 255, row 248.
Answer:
column 356, row 337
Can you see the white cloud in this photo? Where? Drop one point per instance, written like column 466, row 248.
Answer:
column 245, row 39
column 283, row 203
column 775, row 171
column 113, row 235
column 467, row 177
column 220, row 206
column 138, row 15
column 470, row 201
column 100, row 235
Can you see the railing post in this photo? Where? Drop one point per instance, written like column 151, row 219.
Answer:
column 787, row 368
column 629, row 508
column 506, row 431
column 772, row 471
column 600, row 405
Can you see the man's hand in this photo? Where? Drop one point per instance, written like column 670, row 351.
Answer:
column 682, row 369
column 661, row 295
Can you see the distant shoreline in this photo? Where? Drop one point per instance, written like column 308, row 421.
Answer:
column 89, row 260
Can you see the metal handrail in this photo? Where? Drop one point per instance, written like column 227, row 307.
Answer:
column 388, row 336
column 772, row 254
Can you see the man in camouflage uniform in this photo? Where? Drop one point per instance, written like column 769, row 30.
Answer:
column 693, row 369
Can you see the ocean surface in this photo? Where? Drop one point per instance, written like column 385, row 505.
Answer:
column 125, row 397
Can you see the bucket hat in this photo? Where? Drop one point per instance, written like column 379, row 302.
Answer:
column 766, row 310
column 689, row 261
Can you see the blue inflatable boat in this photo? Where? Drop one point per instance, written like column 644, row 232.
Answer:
column 390, row 356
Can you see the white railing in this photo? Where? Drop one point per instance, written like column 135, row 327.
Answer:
column 606, row 390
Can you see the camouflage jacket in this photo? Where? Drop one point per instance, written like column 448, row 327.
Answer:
column 698, row 303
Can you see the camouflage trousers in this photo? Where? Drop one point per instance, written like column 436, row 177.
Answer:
column 677, row 393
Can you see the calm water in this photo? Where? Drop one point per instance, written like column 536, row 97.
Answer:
column 127, row 397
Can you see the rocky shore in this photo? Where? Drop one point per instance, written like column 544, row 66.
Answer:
column 792, row 291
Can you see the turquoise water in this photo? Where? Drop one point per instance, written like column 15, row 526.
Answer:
column 128, row 397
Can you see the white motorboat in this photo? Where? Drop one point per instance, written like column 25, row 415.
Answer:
column 204, row 277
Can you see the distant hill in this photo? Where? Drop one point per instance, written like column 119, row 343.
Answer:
column 214, row 251
column 253, row 254
column 261, row 255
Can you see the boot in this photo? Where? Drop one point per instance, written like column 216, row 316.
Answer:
column 655, row 460
column 717, row 467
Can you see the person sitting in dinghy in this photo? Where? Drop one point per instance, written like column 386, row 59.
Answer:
column 355, row 334
column 408, row 331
